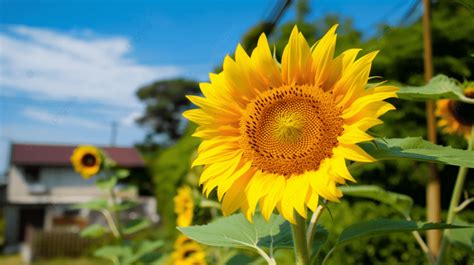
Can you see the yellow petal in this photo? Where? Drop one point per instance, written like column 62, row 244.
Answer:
column 234, row 198
column 257, row 188
column 320, row 181
column 295, row 193
column 323, row 55
column 226, row 181
column 354, row 80
column 354, row 153
column 275, row 191
column 339, row 167
column 353, row 135
column 373, row 109
column 312, row 200
column 217, row 154
column 374, row 95
column 219, row 168
column 296, row 60
column 266, row 66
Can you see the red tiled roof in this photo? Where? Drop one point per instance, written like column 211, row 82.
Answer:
column 58, row 155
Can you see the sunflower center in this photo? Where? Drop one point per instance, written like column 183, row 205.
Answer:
column 291, row 129
column 463, row 112
column 189, row 253
column 88, row 160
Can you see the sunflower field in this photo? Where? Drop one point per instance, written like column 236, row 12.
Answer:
column 310, row 145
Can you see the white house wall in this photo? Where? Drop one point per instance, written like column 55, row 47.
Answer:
column 61, row 185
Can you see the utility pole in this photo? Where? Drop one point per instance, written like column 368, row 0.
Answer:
column 433, row 188
column 113, row 133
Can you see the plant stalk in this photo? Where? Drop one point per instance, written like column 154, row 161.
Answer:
column 115, row 216
column 299, row 240
column 312, row 225
column 433, row 188
column 455, row 199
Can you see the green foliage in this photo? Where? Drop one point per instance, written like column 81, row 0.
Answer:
column 165, row 101
column 97, row 204
column 416, row 148
column 385, row 226
column 121, row 251
column 93, row 231
column 462, row 238
column 237, row 231
column 394, row 248
column 106, row 183
column 169, row 169
column 399, row 202
column 136, row 225
column 2, row 229
column 131, row 253
column 439, row 87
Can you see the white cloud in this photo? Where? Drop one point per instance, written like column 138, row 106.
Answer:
column 62, row 66
column 129, row 120
column 60, row 119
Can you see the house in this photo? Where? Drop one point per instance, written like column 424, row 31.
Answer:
column 42, row 186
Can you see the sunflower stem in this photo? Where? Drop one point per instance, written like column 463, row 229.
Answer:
column 312, row 225
column 455, row 198
column 299, row 240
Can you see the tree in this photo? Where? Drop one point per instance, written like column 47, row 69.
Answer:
column 165, row 101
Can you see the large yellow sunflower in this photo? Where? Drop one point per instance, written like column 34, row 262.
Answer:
column 455, row 116
column 87, row 160
column 184, row 206
column 279, row 135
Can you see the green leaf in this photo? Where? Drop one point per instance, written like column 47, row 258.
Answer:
column 416, row 148
column 399, row 202
column 114, row 253
column 284, row 238
column 136, row 225
column 235, row 231
column 240, row 259
column 98, row 204
column 106, row 183
column 93, row 231
column 439, row 87
column 385, row 226
column 125, row 205
column 463, row 237
column 122, row 173
column 144, row 252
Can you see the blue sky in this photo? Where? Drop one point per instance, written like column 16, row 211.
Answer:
column 70, row 68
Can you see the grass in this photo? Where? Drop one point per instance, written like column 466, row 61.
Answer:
column 16, row 260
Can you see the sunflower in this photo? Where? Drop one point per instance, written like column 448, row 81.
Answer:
column 456, row 116
column 188, row 252
column 278, row 135
column 184, row 206
column 87, row 160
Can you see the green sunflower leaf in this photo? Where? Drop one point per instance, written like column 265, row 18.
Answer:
column 416, row 148
column 93, row 231
column 136, row 225
column 98, row 204
column 284, row 238
column 237, row 231
column 439, row 87
column 106, row 183
column 400, row 202
column 386, row 226
column 463, row 237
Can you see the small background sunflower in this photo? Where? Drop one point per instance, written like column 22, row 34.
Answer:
column 457, row 117
column 87, row 160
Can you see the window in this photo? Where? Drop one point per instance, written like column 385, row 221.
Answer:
column 32, row 174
